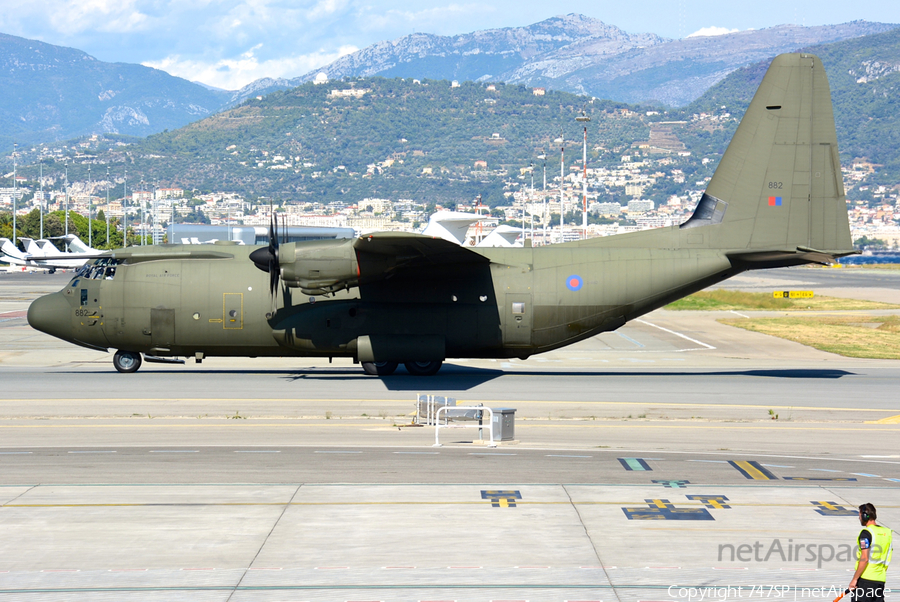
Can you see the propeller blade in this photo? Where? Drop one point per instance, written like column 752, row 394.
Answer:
column 274, row 266
column 266, row 259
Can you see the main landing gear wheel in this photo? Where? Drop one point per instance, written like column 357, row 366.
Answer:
column 127, row 361
column 423, row 368
column 379, row 368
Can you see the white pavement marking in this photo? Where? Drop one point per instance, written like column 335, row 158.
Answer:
column 337, row 452
column 93, row 452
column 678, row 334
column 174, row 451
column 419, row 453
column 865, row 474
column 565, row 456
column 257, row 451
column 13, row 453
column 825, row 470
column 737, row 313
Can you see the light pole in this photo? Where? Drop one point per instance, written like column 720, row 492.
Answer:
column 141, row 201
column 15, row 200
column 125, row 210
column 67, row 197
column 532, row 201
column 155, row 209
column 562, row 176
column 106, row 213
column 90, row 194
column 41, row 184
column 544, row 219
column 583, row 118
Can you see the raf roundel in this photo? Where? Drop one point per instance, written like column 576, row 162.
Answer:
column 574, row 283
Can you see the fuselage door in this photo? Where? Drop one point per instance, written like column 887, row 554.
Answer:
column 517, row 319
column 162, row 327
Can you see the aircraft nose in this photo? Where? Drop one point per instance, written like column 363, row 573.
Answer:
column 50, row 314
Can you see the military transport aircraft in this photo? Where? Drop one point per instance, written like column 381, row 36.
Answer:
column 775, row 200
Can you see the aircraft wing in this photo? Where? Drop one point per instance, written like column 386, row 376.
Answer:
column 134, row 255
column 384, row 253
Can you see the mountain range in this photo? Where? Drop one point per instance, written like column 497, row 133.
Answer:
column 55, row 93
column 578, row 54
column 430, row 140
column 52, row 93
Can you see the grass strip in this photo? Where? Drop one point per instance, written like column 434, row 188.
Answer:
column 873, row 337
column 726, row 300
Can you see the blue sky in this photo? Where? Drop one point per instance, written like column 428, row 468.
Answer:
column 229, row 43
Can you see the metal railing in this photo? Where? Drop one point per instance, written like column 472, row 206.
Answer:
column 438, row 426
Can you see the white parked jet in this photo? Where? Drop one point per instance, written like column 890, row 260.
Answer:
column 9, row 253
column 43, row 254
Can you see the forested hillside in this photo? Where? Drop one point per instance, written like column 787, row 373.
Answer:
column 399, row 138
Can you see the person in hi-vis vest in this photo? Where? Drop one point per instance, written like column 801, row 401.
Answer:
column 872, row 558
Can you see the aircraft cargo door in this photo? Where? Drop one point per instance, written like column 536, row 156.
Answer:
column 517, row 320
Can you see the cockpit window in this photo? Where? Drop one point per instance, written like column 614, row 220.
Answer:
column 103, row 268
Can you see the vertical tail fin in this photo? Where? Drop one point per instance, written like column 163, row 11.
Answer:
column 76, row 245
column 31, row 248
column 9, row 249
column 778, row 186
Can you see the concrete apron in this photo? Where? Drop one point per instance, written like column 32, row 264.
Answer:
column 665, row 541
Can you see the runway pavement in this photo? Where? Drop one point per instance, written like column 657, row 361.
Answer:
column 674, row 452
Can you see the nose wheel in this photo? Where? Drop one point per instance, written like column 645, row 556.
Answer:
column 127, row 361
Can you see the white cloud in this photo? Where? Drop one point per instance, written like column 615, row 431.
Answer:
column 76, row 16
column 712, row 31
column 234, row 73
column 324, row 8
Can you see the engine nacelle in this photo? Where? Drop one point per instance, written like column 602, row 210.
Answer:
column 319, row 267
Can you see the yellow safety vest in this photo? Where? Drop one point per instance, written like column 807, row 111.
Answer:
column 880, row 552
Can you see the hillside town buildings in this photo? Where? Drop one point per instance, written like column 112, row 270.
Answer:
column 616, row 202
